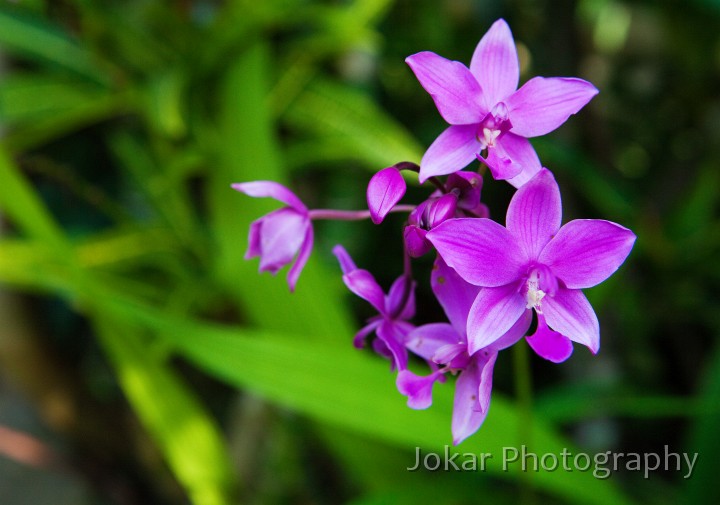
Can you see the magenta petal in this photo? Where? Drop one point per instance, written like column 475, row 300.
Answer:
column 494, row 312
column 495, row 64
column 454, row 294
column 472, row 397
column 452, row 87
column 254, row 241
column 481, row 251
column 501, row 166
column 542, row 104
column 415, row 242
column 302, row 258
column 347, row 265
column 384, row 190
column 418, row 389
column 514, row 334
column 360, row 336
column 549, row 344
column 535, row 213
column 523, row 156
column 427, row 339
column 585, row 252
column 393, row 337
column 570, row 313
column 453, row 150
column 271, row 189
column 362, row 283
column 281, row 234
column 467, row 416
column 396, row 296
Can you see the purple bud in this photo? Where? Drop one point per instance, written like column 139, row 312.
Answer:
column 467, row 186
column 415, row 242
column 425, row 217
column 384, row 190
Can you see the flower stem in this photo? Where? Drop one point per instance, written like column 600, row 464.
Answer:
column 523, row 390
column 351, row 215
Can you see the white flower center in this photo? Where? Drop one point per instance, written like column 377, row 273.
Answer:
column 534, row 294
column 489, row 137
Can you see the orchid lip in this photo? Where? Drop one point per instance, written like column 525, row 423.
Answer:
column 493, row 126
column 540, row 282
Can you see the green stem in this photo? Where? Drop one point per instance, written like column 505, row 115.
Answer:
column 523, row 390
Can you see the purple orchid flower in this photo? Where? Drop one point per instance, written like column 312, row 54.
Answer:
column 486, row 111
column 394, row 309
column 277, row 237
column 446, row 345
column 534, row 264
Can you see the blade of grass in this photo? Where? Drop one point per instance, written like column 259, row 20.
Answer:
column 188, row 437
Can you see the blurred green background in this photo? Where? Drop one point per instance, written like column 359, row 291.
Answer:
column 143, row 361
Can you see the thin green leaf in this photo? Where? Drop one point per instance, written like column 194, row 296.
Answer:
column 31, row 36
column 338, row 385
column 329, row 109
column 188, row 437
column 23, row 206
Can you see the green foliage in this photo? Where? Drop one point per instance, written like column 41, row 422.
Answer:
column 124, row 125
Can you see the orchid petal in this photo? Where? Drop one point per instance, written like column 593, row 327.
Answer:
column 360, row 336
column 454, row 294
column 480, row 250
column 549, row 344
column 486, row 362
column 281, row 234
column 271, row 189
column 393, row 337
column 418, row 389
column 452, row 355
column 501, row 165
column 585, row 252
column 347, row 265
column 495, row 63
column 453, row 150
column 570, row 313
column 415, row 242
column 467, row 416
column 302, row 258
column 384, row 190
column 397, row 295
column 470, row 186
column 494, row 312
column 514, row 334
column 535, row 213
column 425, row 340
column 472, row 397
column 456, row 93
column 524, row 159
column 254, row 239
column 363, row 284
column 542, row 104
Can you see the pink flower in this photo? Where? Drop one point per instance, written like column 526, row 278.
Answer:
column 533, row 264
column 394, row 309
column 446, row 345
column 277, row 237
column 487, row 112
